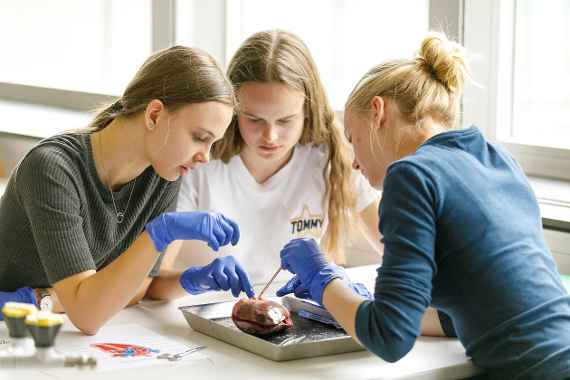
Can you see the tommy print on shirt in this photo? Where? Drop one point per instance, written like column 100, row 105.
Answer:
column 307, row 224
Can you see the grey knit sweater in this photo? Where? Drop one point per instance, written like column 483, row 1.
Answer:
column 57, row 218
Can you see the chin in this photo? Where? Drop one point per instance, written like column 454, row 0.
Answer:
column 276, row 155
column 376, row 183
column 169, row 176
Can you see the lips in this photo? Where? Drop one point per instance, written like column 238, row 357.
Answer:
column 269, row 148
column 183, row 169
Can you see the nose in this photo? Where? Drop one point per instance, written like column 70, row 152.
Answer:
column 270, row 132
column 202, row 157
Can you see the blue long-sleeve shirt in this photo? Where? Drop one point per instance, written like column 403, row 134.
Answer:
column 462, row 233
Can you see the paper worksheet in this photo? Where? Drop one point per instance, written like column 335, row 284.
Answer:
column 123, row 346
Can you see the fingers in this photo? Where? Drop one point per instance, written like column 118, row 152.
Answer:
column 297, row 254
column 219, row 276
column 285, row 259
column 244, row 281
column 227, row 229
column 233, row 280
column 289, row 287
column 216, row 235
column 294, row 286
column 235, row 230
column 237, row 277
column 210, row 283
column 224, row 230
column 302, row 292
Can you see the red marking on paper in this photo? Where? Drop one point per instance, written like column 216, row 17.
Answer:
column 123, row 350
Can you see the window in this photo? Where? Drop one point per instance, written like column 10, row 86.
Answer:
column 93, row 46
column 349, row 38
column 541, row 73
column 520, row 61
column 345, row 37
column 202, row 23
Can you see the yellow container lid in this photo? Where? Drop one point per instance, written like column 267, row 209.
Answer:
column 44, row 319
column 18, row 309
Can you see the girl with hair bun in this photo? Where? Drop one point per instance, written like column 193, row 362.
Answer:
column 461, row 226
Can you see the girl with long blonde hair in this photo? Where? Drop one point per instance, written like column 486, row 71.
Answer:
column 283, row 168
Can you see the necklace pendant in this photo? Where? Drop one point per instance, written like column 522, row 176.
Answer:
column 120, row 217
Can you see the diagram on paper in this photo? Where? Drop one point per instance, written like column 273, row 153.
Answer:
column 124, row 346
column 123, row 350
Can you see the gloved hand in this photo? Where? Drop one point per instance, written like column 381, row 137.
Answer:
column 211, row 227
column 24, row 295
column 296, row 287
column 223, row 273
column 304, row 258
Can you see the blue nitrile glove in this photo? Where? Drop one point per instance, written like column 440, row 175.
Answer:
column 295, row 286
column 224, row 273
column 304, row 258
column 23, row 295
column 211, row 227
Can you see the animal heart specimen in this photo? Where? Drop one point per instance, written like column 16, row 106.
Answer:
column 260, row 317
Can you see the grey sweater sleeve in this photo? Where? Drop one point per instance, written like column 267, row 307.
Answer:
column 50, row 199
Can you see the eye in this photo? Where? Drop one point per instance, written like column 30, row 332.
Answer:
column 204, row 139
column 285, row 121
column 254, row 119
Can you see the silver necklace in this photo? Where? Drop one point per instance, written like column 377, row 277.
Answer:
column 120, row 214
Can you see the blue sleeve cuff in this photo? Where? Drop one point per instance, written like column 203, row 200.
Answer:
column 446, row 324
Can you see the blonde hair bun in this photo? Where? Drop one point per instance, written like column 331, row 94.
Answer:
column 444, row 59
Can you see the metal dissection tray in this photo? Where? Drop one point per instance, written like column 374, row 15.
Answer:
column 305, row 339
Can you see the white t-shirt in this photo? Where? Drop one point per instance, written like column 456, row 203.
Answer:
column 286, row 206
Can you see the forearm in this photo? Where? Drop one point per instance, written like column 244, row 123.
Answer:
column 95, row 298
column 430, row 323
column 58, row 307
column 166, row 286
column 342, row 303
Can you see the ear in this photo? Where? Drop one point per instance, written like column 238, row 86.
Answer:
column 152, row 111
column 378, row 106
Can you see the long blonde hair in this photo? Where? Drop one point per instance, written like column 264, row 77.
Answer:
column 177, row 76
column 281, row 57
column 429, row 85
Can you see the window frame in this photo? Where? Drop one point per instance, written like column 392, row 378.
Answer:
column 489, row 27
column 163, row 35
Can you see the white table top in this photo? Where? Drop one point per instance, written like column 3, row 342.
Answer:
column 431, row 358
